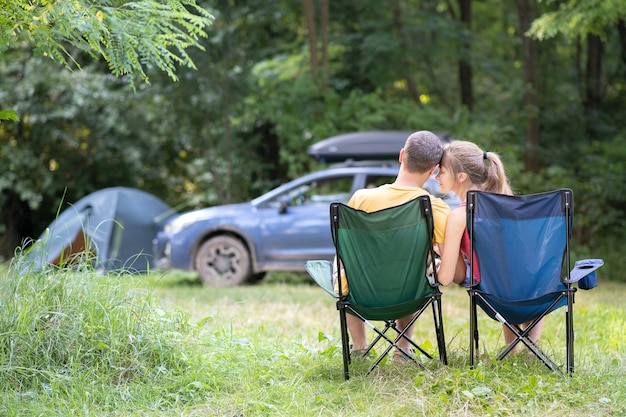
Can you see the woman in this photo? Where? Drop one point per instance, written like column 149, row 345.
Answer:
column 464, row 166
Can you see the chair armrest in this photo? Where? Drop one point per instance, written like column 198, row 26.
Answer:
column 582, row 269
column 321, row 271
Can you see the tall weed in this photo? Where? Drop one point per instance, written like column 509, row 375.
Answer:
column 63, row 331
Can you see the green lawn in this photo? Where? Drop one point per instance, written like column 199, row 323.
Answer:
column 77, row 344
column 297, row 325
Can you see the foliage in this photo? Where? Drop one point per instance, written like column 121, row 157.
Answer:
column 242, row 123
column 63, row 140
column 8, row 115
column 161, row 345
column 128, row 35
column 573, row 18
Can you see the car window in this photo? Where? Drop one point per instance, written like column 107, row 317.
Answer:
column 318, row 192
column 373, row 181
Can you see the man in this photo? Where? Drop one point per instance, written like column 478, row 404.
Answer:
column 419, row 159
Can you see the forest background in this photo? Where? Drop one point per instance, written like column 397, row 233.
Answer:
column 543, row 83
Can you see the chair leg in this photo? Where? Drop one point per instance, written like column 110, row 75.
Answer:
column 392, row 343
column 380, row 334
column 441, row 340
column 345, row 341
column 569, row 317
column 402, row 334
column 517, row 332
column 438, row 330
column 522, row 336
column 473, row 330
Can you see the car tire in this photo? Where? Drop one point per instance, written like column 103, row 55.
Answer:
column 223, row 261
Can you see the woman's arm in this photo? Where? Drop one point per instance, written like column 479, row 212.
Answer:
column 452, row 268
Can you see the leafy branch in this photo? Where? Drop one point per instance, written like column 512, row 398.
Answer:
column 128, row 35
column 575, row 18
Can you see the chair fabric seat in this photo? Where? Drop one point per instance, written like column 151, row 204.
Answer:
column 521, row 311
column 522, row 248
column 384, row 255
column 391, row 312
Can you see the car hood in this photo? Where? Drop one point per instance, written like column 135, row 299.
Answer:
column 226, row 211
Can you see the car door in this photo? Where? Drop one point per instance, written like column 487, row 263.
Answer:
column 295, row 226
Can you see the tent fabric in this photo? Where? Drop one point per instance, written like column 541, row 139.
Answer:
column 117, row 225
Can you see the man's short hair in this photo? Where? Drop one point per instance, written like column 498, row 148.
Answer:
column 422, row 151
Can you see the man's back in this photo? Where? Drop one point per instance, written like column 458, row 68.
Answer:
column 390, row 195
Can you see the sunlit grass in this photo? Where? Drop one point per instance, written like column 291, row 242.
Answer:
column 74, row 343
column 287, row 311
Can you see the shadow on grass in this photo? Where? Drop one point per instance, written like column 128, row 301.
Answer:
column 176, row 279
column 288, row 278
column 185, row 279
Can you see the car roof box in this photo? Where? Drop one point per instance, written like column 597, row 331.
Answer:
column 359, row 146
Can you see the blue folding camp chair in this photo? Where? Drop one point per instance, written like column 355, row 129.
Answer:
column 384, row 255
column 522, row 250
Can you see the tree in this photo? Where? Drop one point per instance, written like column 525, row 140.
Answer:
column 465, row 68
column 531, row 95
column 593, row 21
column 576, row 18
column 308, row 7
column 243, row 121
column 128, row 35
column 402, row 39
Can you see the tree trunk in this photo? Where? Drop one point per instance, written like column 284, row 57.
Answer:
column 465, row 68
column 593, row 84
column 324, row 29
column 309, row 20
column 531, row 96
column 18, row 224
column 621, row 29
column 410, row 82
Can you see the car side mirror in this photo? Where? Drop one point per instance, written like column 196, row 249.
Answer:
column 284, row 204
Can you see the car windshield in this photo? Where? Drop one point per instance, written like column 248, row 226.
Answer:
column 318, row 192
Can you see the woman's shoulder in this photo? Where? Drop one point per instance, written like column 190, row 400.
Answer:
column 457, row 215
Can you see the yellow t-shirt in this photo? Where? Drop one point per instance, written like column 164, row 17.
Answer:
column 390, row 195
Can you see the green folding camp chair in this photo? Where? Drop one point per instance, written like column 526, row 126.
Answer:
column 522, row 249
column 384, row 255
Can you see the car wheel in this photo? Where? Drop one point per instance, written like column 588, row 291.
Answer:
column 223, row 261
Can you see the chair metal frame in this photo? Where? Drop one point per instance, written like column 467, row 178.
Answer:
column 563, row 295
column 346, row 306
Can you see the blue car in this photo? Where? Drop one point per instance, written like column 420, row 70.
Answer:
column 279, row 231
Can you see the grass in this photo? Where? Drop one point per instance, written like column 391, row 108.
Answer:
column 73, row 343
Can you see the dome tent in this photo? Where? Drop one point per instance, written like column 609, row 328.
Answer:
column 116, row 225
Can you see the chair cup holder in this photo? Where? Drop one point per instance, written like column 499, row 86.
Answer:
column 588, row 280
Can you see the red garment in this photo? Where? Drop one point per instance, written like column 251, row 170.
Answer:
column 465, row 250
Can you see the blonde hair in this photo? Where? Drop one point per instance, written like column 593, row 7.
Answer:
column 483, row 169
